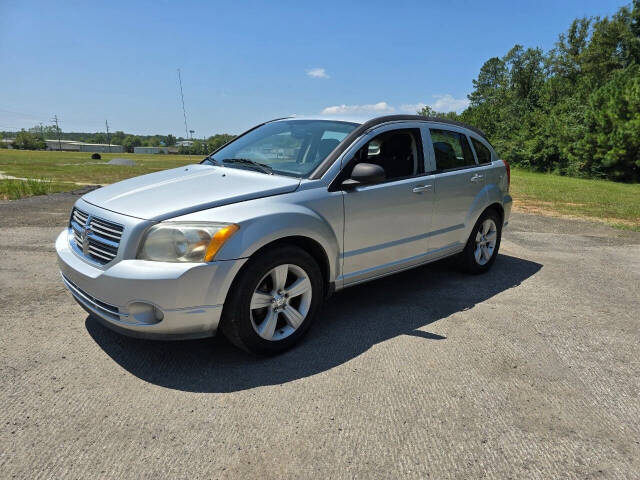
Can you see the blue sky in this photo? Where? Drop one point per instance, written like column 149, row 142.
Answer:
column 245, row 62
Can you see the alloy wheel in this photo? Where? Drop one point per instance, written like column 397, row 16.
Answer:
column 485, row 241
column 280, row 302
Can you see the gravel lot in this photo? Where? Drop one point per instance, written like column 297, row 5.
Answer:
column 531, row 371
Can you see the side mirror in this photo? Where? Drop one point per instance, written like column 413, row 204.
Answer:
column 364, row 174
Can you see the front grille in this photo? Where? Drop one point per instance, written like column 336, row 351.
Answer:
column 95, row 238
column 99, row 305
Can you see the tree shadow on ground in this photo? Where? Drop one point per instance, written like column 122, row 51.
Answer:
column 350, row 323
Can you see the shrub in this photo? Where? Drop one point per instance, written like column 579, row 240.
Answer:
column 27, row 141
column 15, row 189
column 96, row 156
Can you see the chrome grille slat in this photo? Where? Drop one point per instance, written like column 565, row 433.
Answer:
column 93, row 252
column 93, row 246
column 99, row 230
column 81, row 219
column 102, row 236
column 105, row 241
column 108, row 225
column 80, row 214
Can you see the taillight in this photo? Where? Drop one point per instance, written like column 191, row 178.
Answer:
column 506, row 164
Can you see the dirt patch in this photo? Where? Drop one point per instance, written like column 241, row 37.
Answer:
column 546, row 209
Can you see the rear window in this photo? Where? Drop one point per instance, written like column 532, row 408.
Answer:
column 482, row 152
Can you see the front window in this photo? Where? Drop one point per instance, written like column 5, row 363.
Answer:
column 398, row 152
column 288, row 147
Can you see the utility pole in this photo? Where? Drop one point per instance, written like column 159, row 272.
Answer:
column 108, row 136
column 184, row 112
column 55, row 119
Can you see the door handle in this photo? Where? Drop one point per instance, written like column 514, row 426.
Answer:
column 422, row 188
column 477, row 177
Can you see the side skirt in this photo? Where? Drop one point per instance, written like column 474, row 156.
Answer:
column 398, row 266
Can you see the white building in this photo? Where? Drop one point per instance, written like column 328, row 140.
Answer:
column 150, row 149
column 67, row 145
column 73, row 146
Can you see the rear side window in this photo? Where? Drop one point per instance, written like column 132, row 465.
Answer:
column 452, row 149
column 482, row 152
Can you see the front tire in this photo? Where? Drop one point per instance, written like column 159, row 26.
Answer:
column 482, row 247
column 273, row 301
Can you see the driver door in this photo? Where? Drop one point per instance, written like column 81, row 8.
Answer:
column 386, row 224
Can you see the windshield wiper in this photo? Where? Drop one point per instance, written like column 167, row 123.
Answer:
column 263, row 167
column 212, row 161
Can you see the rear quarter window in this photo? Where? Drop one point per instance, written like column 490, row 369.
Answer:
column 482, row 152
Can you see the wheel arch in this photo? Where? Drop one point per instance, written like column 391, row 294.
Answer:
column 498, row 208
column 309, row 245
column 305, row 243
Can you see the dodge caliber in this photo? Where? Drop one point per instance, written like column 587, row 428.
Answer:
column 253, row 238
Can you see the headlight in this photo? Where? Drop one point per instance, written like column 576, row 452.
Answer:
column 185, row 242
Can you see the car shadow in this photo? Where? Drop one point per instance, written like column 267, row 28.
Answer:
column 351, row 322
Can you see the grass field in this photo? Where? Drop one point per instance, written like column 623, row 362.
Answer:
column 614, row 203
column 617, row 204
column 78, row 166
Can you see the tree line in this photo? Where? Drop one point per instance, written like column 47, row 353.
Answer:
column 574, row 110
column 34, row 139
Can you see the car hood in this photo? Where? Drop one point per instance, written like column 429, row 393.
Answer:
column 170, row 193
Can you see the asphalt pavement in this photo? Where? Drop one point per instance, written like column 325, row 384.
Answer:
column 530, row 371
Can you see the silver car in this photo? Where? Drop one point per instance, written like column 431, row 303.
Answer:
column 252, row 239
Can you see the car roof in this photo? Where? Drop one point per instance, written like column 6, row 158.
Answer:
column 367, row 123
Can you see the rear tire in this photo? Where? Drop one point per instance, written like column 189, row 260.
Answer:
column 482, row 247
column 273, row 301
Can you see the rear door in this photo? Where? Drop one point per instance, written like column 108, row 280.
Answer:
column 458, row 182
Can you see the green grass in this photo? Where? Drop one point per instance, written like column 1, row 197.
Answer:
column 614, row 203
column 78, row 166
column 617, row 204
column 15, row 189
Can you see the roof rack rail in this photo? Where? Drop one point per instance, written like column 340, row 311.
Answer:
column 394, row 118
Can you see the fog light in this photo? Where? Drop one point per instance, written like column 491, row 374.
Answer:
column 142, row 312
column 158, row 313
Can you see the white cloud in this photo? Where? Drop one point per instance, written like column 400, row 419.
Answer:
column 446, row 103
column 442, row 103
column 412, row 107
column 380, row 108
column 317, row 73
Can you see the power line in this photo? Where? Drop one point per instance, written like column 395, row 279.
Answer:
column 41, row 118
column 23, row 114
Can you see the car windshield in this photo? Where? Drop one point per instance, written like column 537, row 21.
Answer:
column 287, row 147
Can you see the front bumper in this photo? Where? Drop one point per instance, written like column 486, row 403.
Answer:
column 149, row 299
